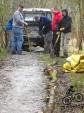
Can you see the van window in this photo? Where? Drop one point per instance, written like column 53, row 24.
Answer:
column 30, row 16
column 49, row 15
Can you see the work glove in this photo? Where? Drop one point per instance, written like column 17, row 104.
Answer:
column 61, row 29
column 58, row 33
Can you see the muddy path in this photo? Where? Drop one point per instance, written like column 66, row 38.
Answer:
column 22, row 85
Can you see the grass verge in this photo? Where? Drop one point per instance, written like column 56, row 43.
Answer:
column 77, row 80
column 3, row 54
column 47, row 59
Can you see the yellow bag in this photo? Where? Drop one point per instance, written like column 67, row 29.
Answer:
column 75, row 63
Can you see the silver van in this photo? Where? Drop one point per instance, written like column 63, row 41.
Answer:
column 31, row 33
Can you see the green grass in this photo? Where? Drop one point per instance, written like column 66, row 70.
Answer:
column 77, row 80
column 47, row 59
column 3, row 54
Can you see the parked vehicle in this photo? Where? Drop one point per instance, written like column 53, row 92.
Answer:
column 31, row 32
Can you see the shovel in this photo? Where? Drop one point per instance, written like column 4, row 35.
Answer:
column 52, row 50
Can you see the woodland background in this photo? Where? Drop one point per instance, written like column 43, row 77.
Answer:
column 75, row 7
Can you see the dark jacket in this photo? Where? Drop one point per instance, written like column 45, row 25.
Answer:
column 44, row 25
column 66, row 23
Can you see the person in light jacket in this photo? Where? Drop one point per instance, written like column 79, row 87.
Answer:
column 18, row 25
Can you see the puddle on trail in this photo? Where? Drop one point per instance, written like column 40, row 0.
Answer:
column 22, row 85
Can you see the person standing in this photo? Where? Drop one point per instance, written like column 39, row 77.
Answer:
column 8, row 34
column 66, row 25
column 18, row 25
column 57, row 17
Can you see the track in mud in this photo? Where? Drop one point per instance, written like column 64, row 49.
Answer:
column 22, row 85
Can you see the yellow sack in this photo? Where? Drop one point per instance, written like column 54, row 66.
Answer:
column 75, row 63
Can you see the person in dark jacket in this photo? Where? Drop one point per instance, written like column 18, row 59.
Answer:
column 46, row 30
column 44, row 24
column 9, row 27
column 66, row 25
